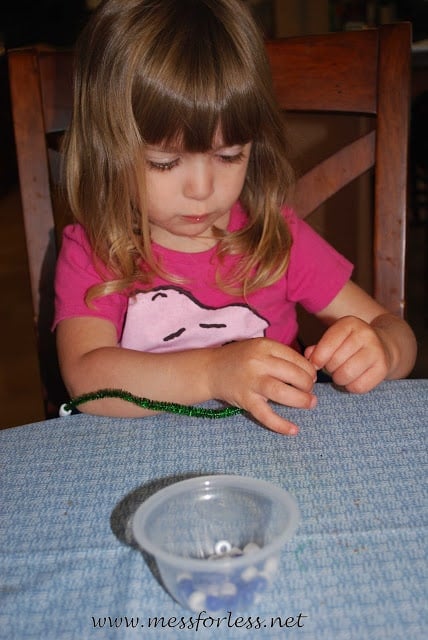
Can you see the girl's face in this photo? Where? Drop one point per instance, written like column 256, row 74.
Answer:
column 188, row 193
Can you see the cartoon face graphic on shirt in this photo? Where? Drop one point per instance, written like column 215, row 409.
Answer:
column 170, row 319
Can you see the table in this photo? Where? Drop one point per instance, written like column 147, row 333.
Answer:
column 356, row 567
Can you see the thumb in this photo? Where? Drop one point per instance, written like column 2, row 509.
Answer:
column 309, row 351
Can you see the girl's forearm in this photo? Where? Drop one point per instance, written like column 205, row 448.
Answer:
column 173, row 377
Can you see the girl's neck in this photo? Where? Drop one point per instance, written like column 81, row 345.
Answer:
column 185, row 244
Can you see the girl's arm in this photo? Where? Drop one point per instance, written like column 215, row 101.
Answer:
column 364, row 344
column 245, row 374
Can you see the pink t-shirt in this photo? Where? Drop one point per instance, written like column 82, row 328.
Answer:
column 171, row 317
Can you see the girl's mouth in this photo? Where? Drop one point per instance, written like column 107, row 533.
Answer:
column 196, row 219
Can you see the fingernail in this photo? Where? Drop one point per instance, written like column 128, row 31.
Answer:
column 313, row 402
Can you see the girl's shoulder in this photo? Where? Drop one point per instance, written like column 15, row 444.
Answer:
column 76, row 249
column 290, row 216
column 75, row 236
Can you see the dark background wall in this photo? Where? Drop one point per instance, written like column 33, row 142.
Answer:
column 55, row 22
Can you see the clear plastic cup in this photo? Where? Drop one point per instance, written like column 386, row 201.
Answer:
column 216, row 539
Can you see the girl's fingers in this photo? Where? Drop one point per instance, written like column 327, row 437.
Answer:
column 286, row 394
column 291, row 358
column 308, row 352
column 359, row 374
column 283, row 394
column 350, row 343
column 264, row 414
column 292, row 374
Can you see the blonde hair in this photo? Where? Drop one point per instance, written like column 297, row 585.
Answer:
column 156, row 71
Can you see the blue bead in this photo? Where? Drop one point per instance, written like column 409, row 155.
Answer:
column 246, row 586
column 245, row 596
column 185, row 587
column 217, row 603
column 259, row 583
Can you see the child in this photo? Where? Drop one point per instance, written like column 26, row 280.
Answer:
column 180, row 279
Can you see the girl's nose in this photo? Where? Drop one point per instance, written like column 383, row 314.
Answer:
column 199, row 184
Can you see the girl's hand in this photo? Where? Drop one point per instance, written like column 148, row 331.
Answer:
column 249, row 373
column 364, row 344
column 354, row 353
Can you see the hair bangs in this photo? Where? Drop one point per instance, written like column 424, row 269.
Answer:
column 196, row 89
column 171, row 121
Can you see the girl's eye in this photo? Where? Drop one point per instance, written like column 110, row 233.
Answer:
column 230, row 159
column 163, row 166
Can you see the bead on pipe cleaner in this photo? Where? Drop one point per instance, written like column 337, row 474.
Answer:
column 145, row 403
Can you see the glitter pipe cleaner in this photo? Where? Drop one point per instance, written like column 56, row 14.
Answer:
column 145, row 403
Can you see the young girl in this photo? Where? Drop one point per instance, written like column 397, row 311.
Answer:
column 180, row 278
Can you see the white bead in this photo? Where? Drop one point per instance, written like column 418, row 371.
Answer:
column 249, row 574
column 197, row 601
column 183, row 576
column 222, row 546
column 228, row 589
column 251, row 547
column 63, row 412
column 267, row 576
column 271, row 565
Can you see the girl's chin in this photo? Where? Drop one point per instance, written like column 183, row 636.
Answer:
column 188, row 240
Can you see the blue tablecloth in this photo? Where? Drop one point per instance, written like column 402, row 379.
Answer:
column 356, row 568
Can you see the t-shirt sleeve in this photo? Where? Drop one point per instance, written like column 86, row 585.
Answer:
column 75, row 275
column 316, row 271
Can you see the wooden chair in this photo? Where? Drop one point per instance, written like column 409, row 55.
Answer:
column 41, row 98
column 360, row 72
column 365, row 72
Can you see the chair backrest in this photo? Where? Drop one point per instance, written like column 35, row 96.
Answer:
column 41, row 98
column 361, row 72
